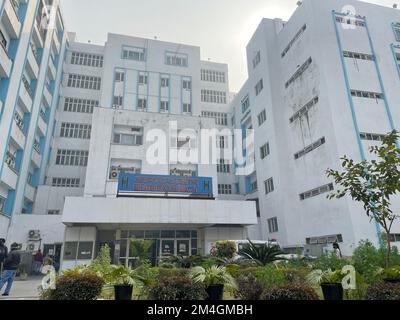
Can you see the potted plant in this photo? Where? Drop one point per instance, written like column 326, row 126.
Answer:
column 215, row 278
column 22, row 270
column 391, row 275
column 124, row 279
column 330, row 282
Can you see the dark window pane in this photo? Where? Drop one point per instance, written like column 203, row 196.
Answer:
column 182, row 234
column 124, row 234
column 137, row 234
column 85, row 251
column 70, row 250
column 152, row 234
column 194, row 234
column 168, row 234
column 122, row 250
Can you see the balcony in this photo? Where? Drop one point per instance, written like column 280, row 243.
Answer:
column 36, row 157
column 56, row 43
column 37, row 36
column 11, row 19
column 46, row 94
column 5, row 61
column 9, row 177
column 17, row 132
column 42, row 122
column 32, row 65
column 30, row 192
column 53, row 70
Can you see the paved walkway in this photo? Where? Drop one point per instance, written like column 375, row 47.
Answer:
column 24, row 290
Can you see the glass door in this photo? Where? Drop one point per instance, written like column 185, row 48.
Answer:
column 183, row 247
column 167, row 248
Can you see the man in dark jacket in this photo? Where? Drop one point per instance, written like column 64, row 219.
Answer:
column 3, row 253
column 11, row 264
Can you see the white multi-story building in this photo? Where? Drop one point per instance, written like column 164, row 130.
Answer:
column 65, row 197
column 323, row 85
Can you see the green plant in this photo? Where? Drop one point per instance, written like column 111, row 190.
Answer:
column 181, row 262
column 383, row 291
column 270, row 276
column 122, row 275
column 102, row 264
column 392, row 273
column 140, row 249
column 176, row 288
column 373, row 183
column 318, row 277
column 76, row 284
column 224, row 249
column 248, row 288
column 329, row 260
column 290, row 292
column 295, row 275
column 261, row 254
column 213, row 276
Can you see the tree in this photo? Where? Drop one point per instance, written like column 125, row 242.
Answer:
column 141, row 250
column 373, row 183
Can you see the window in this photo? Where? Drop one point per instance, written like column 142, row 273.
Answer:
column 394, row 237
column 118, row 102
column 222, row 167
column 360, row 56
column 131, row 53
column 310, row 148
column 325, row 239
column 304, row 110
column 2, row 204
column 212, row 96
column 164, row 82
column 87, row 59
column 67, row 157
column 186, row 85
column 80, row 105
column 273, row 225
column 366, row 94
column 372, row 136
column 134, row 138
column 269, row 185
column 175, row 59
column 3, row 41
column 119, row 76
column 222, row 142
column 187, row 108
column 75, row 130
column 299, row 72
column 259, row 87
column 256, row 59
column 291, row 43
column 351, row 20
column 316, row 192
column 264, row 151
column 213, row 76
column 84, row 82
column 53, row 212
column 224, row 189
column 143, row 78
column 245, row 103
column 262, row 117
column 164, row 106
column 220, row 118
column 141, row 104
column 396, row 29
column 66, row 182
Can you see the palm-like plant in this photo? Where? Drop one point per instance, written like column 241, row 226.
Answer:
column 215, row 275
column 261, row 254
column 122, row 275
column 182, row 261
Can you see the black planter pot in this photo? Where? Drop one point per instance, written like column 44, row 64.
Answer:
column 215, row 292
column 332, row 291
column 389, row 280
column 123, row 292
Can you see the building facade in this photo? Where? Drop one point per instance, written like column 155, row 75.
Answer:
column 320, row 86
column 92, row 110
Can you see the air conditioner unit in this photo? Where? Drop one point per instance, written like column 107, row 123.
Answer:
column 34, row 235
column 114, row 173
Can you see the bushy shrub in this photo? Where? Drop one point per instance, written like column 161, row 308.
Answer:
column 296, row 275
column 270, row 276
column 330, row 261
column 176, row 288
column 248, row 288
column 170, row 272
column 383, row 291
column 224, row 249
column 290, row 292
column 75, row 285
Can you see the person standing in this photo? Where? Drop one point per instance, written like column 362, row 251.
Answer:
column 11, row 264
column 3, row 253
column 37, row 261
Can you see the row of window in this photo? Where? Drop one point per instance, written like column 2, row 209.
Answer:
column 269, row 185
column 84, row 82
column 213, row 76
column 360, row 56
column 299, row 72
column 265, row 151
column 129, row 139
column 66, row 182
column 310, row 148
column 66, row 157
column 304, row 110
column 87, row 59
column 245, row 103
column 372, row 136
column 351, row 21
column 317, row 191
column 224, row 189
column 220, row 117
column 291, row 43
column 80, row 105
column 259, row 87
column 262, row 117
column 175, row 59
column 135, row 54
column 366, row 94
column 273, row 225
column 257, row 59
column 118, row 102
column 212, row 96
column 222, row 167
column 143, row 79
column 325, row 239
column 75, row 130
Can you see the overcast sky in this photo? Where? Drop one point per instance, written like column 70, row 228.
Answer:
column 222, row 28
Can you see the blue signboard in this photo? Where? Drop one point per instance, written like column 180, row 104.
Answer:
column 147, row 183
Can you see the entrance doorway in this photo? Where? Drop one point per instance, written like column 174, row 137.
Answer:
column 54, row 252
